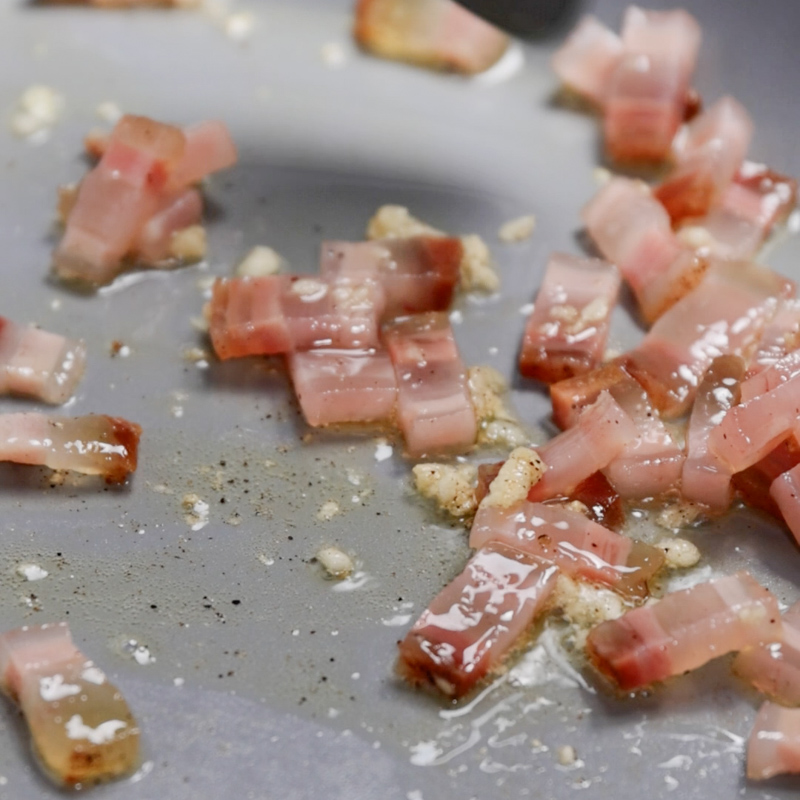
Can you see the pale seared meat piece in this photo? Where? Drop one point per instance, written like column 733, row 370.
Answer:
column 434, row 408
column 418, row 274
column 774, row 669
column 336, row 386
column 774, row 744
column 647, row 90
column 706, row 478
column 153, row 245
column 684, row 630
column 578, row 546
column 92, row 445
column 473, row 624
column 709, row 156
column 567, row 331
column 785, row 491
column 439, row 34
column 39, row 364
column 781, row 338
column 82, row 729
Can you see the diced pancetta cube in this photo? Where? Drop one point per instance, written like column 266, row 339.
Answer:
column 39, row 364
column 283, row 313
column 92, row 445
column 434, row 408
column 587, row 59
column 209, row 148
column 578, row 546
column 439, row 34
column 785, row 491
column 724, row 314
column 633, row 230
column 153, row 244
column 473, row 623
column 684, row 630
column 567, row 332
column 780, row 338
column 418, row 274
column 334, row 386
column 647, row 90
column 706, row 477
column 571, row 396
column 710, row 153
column 774, row 669
column 754, row 483
column 774, row 744
column 116, row 198
column 600, row 435
column 82, row 729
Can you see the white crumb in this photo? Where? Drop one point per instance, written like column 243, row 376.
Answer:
column 109, row 112
column 189, row 244
column 566, row 755
column 333, row 55
column 585, row 605
column 680, row 553
column 38, row 109
column 452, row 486
column 497, row 423
column 502, row 433
column 517, row 230
column 522, row 469
column 239, row 26
column 383, row 450
column 328, row 510
column 260, row 262
column 335, row 562
column 32, row 572
column 678, row 515
column 195, row 511
column 396, row 222
column 477, row 268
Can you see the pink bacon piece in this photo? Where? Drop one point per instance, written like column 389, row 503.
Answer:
column 434, row 408
column 567, row 332
column 684, row 630
column 707, row 478
column 335, row 386
column 83, row 731
column 754, row 483
column 588, row 58
column 774, row 669
column 648, row 88
column 780, row 338
column 209, row 148
column 93, row 445
column 725, row 314
column 774, row 744
column 599, row 436
column 117, row 197
column 473, row 623
column 709, row 156
column 177, row 212
column 785, row 491
column 577, row 545
column 432, row 33
column 418, row 274
column 39, row 364
column 633, row 230
column 283, row 313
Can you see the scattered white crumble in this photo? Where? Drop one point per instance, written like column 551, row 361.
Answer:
column 260, row 262
column 497, row 424
column 383, row 450
column 566, row 755
column 239, row 26
column 517, row 230
column 522, row 469
column 678, row 515
column 177, row 411
column 451, row 486
column 527, row 309
column 335, row 562
column 195, row 511
column 32, row 572
column 396, row 222
column 109, row 112
column 266, row 560
column 178, row 682
column 333, row 55
column 680, row 553
column 328, row 511
column 584, row 604
column 38, row 109
column 502, row 432
column 140, row 653
column 477, row 268
column 189, row 244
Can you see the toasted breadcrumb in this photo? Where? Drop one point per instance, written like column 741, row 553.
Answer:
column 517, row 230
column 38, row 108
column 477, row 268
column 451, row 486
column 497, row 423
column 328, row 511
column 396, row 222
column 585, row 605
column 523, row 468
column 189, row 244
column 678, row 515
column 335, row 562
column 502, row 432
column 680, row 553
column 260, row 262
